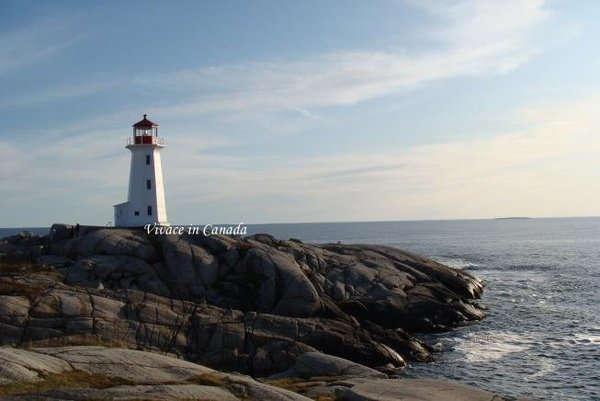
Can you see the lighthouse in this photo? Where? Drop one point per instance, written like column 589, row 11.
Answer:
column 146, row 197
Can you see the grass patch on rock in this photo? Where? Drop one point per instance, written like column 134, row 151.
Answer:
column 325, row 397
column 214, row 379
column 10, row 263
column 71, row 379
column 79, row 340
column 31, row 291
column 298, row 385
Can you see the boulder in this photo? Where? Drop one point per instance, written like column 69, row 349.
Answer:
column 112, row 241
column 317, row 364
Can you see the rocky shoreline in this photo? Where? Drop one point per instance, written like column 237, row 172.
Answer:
column 326, row 321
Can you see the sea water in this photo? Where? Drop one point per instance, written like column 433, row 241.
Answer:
column 541, row 336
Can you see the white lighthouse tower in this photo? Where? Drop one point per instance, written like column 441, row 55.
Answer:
column 146, row 198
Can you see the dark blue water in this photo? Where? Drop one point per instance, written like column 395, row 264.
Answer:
column 542, row 332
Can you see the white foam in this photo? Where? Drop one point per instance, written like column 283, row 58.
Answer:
column 585, row 338
column 545, row 366
column 456, row 263
column 493, row 345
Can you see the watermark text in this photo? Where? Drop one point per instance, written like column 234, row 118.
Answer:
column 206, row 230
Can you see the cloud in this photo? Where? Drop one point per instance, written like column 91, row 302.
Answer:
column 490, row 24
column 9, row 161
column 33, row 43
column 57, row 93
column 547, row 168
column 364, row 170
column 469, row 37
column 472, row 37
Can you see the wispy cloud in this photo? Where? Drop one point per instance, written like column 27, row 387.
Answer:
column 548, row 168
column 33, row 43
column 469, row 37
column 57, row 93
column 473, row 38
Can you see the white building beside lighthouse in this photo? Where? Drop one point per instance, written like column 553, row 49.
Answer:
column 146, row 198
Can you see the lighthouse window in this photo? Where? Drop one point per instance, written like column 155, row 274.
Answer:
column 148, row 184
column 136, row 213
column 149, row 210
column 148, row 159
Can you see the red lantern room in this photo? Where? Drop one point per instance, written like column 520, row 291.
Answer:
column 146, row 197
column 145, row 132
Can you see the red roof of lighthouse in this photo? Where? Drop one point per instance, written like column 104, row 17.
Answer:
column 145, row 123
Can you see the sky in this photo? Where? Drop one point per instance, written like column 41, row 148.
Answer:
column 302, row 111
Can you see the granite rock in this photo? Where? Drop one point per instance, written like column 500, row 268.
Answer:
column 251, row 304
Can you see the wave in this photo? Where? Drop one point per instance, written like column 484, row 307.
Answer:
column 584, row 339
column 545, row 366
column 456, row 263
column 490, row 346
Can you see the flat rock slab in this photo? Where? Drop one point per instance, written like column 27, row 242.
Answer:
column 146, row 392
column 132, row 365
column 317, row 364
column 413, row 390
column 149, row 376
column 19, row 365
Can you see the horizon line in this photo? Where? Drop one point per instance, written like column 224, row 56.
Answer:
column 355, row 221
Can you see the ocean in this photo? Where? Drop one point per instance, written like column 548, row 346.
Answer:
column 541, row 336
